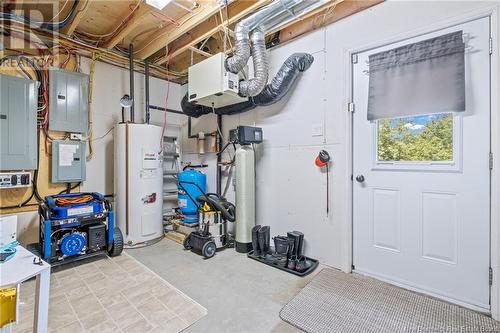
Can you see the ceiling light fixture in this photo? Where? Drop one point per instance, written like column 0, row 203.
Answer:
column 160, row 4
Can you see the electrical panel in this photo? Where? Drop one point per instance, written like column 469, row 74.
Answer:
column 68, row 161
column 15, row 179
column 18, row 133
column 69, row 107
column 210, row 84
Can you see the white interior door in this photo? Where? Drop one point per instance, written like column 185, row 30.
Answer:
column 421, row 191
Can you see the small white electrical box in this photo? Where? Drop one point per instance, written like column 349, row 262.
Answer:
column 210, row 84
column 15, row 179
column 8, row 229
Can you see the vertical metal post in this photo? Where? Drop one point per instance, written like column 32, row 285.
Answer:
column 146, row 77
column 219, row 156
column 132, row 95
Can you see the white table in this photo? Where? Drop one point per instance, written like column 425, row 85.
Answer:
column 21, row 268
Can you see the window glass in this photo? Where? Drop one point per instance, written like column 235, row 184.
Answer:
column 416, row 139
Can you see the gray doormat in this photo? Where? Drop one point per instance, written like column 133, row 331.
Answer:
column 349, row 303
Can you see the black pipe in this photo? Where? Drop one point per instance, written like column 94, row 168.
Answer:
column 159, row 108
column 195, row 166
column 132, row 95
column 53, row 26
column 146, row 78
column 218, row 144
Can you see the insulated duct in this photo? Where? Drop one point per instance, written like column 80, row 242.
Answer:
column 272, row 93
column 253, row 87
column 270, row 17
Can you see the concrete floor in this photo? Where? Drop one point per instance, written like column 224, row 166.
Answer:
column 241, row 295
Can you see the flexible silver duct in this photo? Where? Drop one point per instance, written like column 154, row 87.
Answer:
column 242, row 30
column 270, row 17
column 254, row 86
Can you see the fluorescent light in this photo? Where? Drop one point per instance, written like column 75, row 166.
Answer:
column 160, row 4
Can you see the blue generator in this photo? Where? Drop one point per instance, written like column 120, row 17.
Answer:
column 75, row 226
column 192, row 184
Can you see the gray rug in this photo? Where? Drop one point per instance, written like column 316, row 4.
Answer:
column 349, row 303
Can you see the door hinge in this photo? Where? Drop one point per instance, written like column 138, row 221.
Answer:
column 354, row 58
column 491, row 161
column 350, row 107
column 491, row 276
column 491, row 45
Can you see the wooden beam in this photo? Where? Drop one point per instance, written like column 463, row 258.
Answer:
column 143, row 13
column 81, row 9
column 329, row 7
column 325, row 17
column 236, row 11
column 203, row 53
column 168, row 34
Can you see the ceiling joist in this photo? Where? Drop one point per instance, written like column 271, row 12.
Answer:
column 81, row 10
column 143, row 14
column 236, row 11
column 325, row 17
column 168, row 34
column 182, row 33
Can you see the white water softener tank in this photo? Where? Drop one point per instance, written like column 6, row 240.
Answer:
column 245, row 198
column 139, row 183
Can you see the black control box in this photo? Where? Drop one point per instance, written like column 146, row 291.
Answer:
column 246, row 135
column 97, row 237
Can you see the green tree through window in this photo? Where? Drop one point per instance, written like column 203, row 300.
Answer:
column 422, row 138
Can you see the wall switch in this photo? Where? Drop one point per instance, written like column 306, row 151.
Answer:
column 317, row 130
column 76, row 136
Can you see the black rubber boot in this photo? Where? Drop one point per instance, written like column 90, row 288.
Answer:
column 268, row 239
column 291, row 247
column 300, row 248
column 264, row 234
column 296, row 241
column 255, row 240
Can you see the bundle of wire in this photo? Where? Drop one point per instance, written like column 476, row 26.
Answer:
column 67, row 201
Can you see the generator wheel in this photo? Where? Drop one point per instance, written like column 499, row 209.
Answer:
column 209, row 249
column 187, row 243
column 117, row 247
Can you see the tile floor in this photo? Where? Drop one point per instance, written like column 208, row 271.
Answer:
column 242, row 295
column 110, row 295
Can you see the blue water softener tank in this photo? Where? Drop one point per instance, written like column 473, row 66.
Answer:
column 192, row 183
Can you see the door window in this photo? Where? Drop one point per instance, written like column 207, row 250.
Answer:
column 418, row 140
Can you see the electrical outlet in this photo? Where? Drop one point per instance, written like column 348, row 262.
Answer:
column 75, row 136
column 15, row 179
column 317, row 130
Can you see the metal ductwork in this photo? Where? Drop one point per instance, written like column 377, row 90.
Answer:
column 242, row 31
column 252, row 87
column 270, row 17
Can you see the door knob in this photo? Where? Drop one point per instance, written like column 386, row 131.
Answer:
column 360, row 178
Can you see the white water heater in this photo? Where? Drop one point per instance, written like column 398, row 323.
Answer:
column 139, row 183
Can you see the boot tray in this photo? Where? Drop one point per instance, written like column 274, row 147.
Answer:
column 314, row 262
